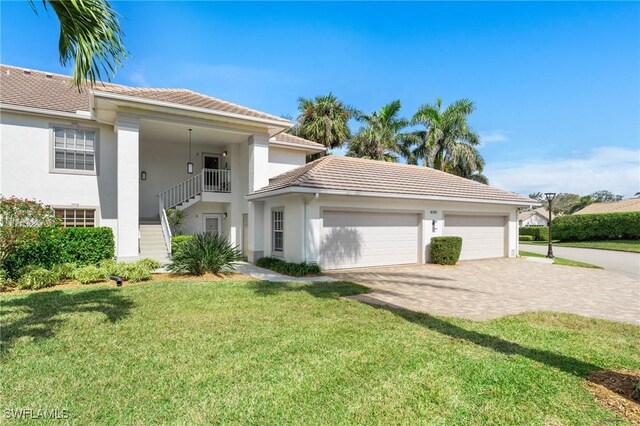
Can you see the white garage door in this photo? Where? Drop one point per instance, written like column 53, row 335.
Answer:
column 483, row 237
column 359, row 239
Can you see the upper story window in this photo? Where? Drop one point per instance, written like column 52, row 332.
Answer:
column 277, row 224
column 74, row 150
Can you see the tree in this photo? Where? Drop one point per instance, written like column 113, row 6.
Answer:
column 582, row 203
column 447, row 142
column 325, row 120
column 605, row 196
column 380, row 137
column 539, row 196
column 19, row 223
column 90, row 35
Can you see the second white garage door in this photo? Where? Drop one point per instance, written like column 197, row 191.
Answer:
column 359, row 239
column 483, row 237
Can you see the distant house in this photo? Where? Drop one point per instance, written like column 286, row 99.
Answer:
column 537, row 217
column 628, row 205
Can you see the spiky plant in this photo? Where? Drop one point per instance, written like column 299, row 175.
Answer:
column 205, row 253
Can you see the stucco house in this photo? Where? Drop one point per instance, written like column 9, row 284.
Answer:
column 535, row 217
column 118, row 156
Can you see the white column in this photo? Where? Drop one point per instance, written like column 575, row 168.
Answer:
column 256, row 230
column 128, row 185
column 258, row 161
column 512, row 234
column 312, row 228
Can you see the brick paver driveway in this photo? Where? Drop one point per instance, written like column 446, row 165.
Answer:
column 485, row 289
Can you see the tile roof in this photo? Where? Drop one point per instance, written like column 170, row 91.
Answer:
column 355, row 174
column 37, row 89
column 287, row 138
column 628, row 205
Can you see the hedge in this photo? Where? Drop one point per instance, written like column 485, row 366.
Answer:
column 289, row 268
column 526, row 237
column 53, row 246
column 445, row 250
column 178, row 241
column 597, row 227
column 539, row 233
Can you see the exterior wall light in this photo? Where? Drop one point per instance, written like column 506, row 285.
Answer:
column 143, row 175
column 190, row 164
column 224, row 154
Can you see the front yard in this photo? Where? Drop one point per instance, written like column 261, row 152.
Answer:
column 265, row 353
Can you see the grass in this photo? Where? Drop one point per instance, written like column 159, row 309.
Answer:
column 561, row 261
column 250, row 352
column 618, row 245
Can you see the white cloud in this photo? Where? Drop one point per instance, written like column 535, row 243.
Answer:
column 491, row 136
column 611, row 168
column 138, row 79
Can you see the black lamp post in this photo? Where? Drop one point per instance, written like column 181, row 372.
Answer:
column 550, row 196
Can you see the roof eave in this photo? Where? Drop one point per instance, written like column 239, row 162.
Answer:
column 309, row 148
column 279, row 124
column 310, row 190
column 79, row 115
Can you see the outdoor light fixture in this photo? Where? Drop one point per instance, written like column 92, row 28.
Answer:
column 550, row 196
column 224, row 154
column 224, row 215
column 190, row 164
column 143, row 175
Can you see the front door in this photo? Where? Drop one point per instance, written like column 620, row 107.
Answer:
column 211, row 178
column 211, row 223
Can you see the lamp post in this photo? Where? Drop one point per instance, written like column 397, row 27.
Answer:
column 550, row 196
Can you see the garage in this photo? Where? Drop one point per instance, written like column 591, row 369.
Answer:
column 483, row 237
column 353, row 239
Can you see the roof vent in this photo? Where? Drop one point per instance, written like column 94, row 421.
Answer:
column 48, row 75
column 26, row 71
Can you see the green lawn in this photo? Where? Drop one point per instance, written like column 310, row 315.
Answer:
column 619, row 245
column 265, row 353
column 560, row 261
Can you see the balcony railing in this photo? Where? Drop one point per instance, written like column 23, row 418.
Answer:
column 216, row 180
column 208, row 180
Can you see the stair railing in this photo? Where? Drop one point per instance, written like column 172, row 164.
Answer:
column 181, row 192
column 166, row 227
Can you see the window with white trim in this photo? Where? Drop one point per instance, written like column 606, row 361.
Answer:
column 74, row 149
column 277, row 225
column 78, row 218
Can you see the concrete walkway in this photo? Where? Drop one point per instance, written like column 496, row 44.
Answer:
column 267, row 275
column 620, row 261
column 486, row 289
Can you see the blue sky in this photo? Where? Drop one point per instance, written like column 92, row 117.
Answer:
column 556, row 85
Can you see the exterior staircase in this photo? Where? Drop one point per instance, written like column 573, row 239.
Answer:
column 152, row 242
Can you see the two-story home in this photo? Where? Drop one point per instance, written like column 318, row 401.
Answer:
column 120, row 156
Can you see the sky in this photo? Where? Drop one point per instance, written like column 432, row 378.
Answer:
column 556, row 85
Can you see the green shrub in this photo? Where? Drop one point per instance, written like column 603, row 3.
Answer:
column 289, row 268
column 204, row 253
column 90, row 274
column 539, row 233
column 128, row 271
column 177, row 241
column 526, row 237
column 64, row 270
column 55, row 245
column 445, row 250
column 596, row 227
column 38, row 278
column 5, row 281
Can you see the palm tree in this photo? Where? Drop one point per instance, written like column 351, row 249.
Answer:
column 447, row 142
column 380, row 137
column 325, row 120
column 90, row 35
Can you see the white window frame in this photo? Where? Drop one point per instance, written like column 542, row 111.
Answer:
column 275, row 251
column 52, row 149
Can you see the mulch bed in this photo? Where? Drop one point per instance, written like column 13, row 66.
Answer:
column 613, row 390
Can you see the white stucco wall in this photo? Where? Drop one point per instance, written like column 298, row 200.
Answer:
column 24, row 167
column 303, row 243
column 282, row 160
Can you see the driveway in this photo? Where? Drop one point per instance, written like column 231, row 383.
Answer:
column 485, row 289
column 620, row 261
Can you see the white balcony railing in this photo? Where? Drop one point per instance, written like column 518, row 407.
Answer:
column 216, row 180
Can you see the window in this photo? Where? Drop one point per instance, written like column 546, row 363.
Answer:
column 80, row 218
column 74, row 149
column 277, row 224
